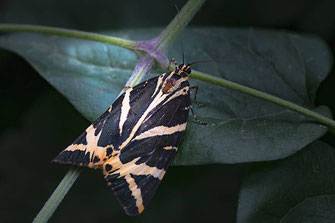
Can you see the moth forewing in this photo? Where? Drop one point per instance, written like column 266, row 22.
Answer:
column 135, row 140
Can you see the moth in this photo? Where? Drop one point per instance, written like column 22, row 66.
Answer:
column 135, row 140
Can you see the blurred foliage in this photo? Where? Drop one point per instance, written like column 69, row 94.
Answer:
column 300, row 188
column 32, row 133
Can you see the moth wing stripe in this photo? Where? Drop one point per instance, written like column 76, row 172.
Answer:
column 161, row 130
column 159, row 98
column 178, row 93
column 170, row 75
column 73, row 147
column 133, row 168
column 90, row 147
column 144, row 169
column 158, row 85
column 170, row 148
column 92, row 144
column 188, row 107
column 125, row 109
column 136, row 192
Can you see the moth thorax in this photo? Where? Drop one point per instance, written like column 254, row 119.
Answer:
column 169, row 85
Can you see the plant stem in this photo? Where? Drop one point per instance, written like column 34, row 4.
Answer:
column 144, row 65
column 68, row 33
column 179, row 23
column 58, row 195
column 164, row 40
column 229, row 84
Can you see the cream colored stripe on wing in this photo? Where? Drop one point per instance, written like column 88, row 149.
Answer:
column 161, row 130
column 158, row 99
column 170, row 148
column 144, row 169
column 159, row 84
column 178, row 93
column 125, row 109
column 124, row 169
column 136, row 192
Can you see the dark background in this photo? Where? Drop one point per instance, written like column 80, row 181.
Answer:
column 37, row 122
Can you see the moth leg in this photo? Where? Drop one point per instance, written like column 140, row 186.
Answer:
column 195, row 95
column 174, row 61
column 195, row 117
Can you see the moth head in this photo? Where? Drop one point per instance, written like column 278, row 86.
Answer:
column 184, row 70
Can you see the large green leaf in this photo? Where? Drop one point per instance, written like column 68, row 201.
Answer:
column 300, row 188
column 240, row 128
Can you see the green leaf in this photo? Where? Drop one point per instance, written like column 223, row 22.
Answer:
column 300, row 188
column 240, row 128
column 90, row 74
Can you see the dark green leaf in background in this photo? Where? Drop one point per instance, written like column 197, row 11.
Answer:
column 240, row 128
column 300, row 188
column 88, row 73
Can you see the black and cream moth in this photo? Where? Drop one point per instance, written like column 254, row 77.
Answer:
column 135, row 140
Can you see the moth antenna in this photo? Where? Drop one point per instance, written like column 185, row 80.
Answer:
column 208, row 61
column 180, row 36
column 181, row 45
